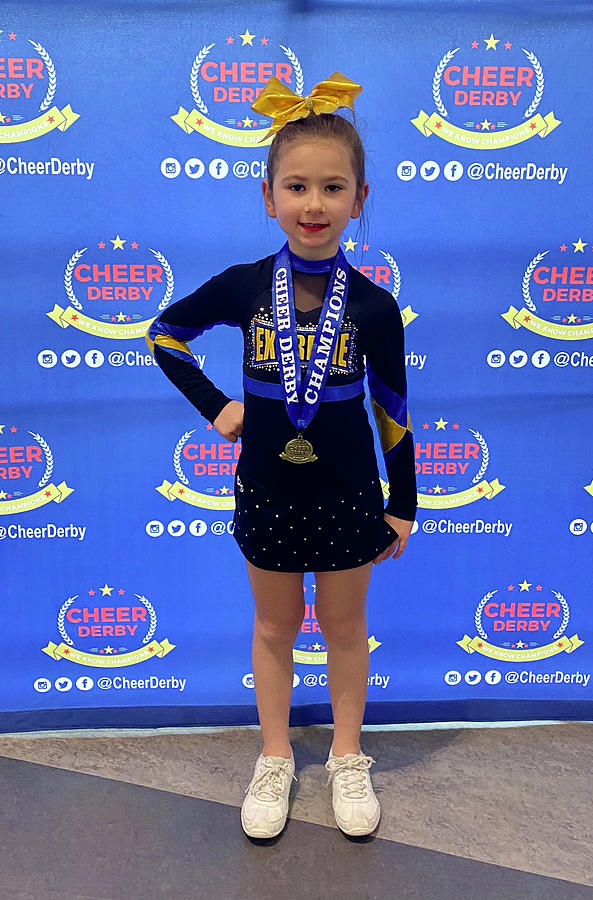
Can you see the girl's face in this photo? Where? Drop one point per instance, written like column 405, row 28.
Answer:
column 314, row 185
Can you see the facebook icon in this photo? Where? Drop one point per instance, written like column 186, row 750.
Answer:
column 94, row 359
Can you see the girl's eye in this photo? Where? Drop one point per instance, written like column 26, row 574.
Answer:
column 330, row 187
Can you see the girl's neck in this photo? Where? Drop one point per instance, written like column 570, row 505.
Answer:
column 311, row 266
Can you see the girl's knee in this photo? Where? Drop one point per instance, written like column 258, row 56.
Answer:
column 277, row 631
column 344, row 632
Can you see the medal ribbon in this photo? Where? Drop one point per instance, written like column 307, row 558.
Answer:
column 302, row 403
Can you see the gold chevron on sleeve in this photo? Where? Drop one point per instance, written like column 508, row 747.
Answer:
column 390, row 433
column 165, row 340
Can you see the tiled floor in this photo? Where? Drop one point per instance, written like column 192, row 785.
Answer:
column 467, row 814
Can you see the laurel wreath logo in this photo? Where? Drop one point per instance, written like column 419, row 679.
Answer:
column 71, row 265
column 397, row 278
column 201, row 56
column 539, row 90
column 176, row 462
column 68, row 603
column 490, row 594
column 49, row 460
column 51, row 75
column 485, row 455
column 436, row 81
column 527, row 278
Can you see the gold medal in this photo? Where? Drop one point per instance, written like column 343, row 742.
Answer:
column 298, row 450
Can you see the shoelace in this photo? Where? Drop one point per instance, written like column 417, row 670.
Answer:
column 351, row 774
column 269, row 784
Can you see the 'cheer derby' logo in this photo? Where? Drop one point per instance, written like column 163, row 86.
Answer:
column 28, row 86
column 120, row 290
column 563, row 286
column 448, row 461
column 205, row 471
column 97, row 632
column 485, row 94
column 24, row 465
column 225, row 80
column 522, row 621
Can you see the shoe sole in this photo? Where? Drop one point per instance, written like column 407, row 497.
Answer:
column 263, row 834
column 357, row 832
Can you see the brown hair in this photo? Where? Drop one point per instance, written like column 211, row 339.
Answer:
column 322, row 126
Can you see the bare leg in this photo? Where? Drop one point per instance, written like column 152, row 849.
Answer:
column 279, row 610
column 340, row 606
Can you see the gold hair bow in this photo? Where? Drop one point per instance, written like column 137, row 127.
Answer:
column 283, row 105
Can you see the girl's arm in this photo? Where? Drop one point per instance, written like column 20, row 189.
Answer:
column 211, row 304
column 386, row 372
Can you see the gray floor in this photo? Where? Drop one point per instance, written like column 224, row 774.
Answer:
column 467, row 814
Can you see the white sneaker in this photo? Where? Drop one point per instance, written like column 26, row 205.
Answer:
column 356, row 808
column 265, row 808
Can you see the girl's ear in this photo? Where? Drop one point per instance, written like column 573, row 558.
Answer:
column 359, row 202
column 268, row 199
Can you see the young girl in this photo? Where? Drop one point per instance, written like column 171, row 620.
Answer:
column 307, row 491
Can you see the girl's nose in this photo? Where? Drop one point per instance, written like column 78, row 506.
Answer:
column 314, row 202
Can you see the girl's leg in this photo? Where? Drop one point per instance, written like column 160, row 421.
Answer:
column 340, row 607
column 279, row 611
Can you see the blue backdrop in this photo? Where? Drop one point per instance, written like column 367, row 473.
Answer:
column 130, row 172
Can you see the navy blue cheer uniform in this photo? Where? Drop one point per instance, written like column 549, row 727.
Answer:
column 316, row 516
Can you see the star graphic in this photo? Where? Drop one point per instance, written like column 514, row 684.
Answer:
column 525, row 585
column 508, row 45
column 108, row 649
column 264, row 41
column 511, row 587
column 491, row 42
column 349, row 244
column 365, row 246
column 316, row 646
column 538, row 587
column 1, row 429
column 2, row 118
column 101, row 245
column 579, row 245
column 474, row 45
column 121, row 317
column 572, row 318
column 230, row 40
column 437, row 489
column 247, row 38
column 134, row 245
column 2, row 495
column 13, row 429
column 520, row 644
column 224, row 490
column 12, row 36
column 121, row 591
column 485, row 125
column 589, row 488
column 117, row 242
column 247, row 122
column 455, row 426
column 106, row 590
column 441, row 424
column 91, row 593
column 425, row 425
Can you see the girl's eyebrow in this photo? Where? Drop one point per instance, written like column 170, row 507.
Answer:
column 303, row 178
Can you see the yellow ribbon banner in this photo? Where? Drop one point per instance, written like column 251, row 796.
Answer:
column 43, row 124
column 34, row 501
column 178, row 491
column 121, row 330
column 484, row 490
column 64, row 651
column 505, row 654
column 436, row 124
column 320, row 659
column 235, row 137
column 527, row 319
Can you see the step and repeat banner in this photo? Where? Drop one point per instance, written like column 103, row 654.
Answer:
column 130, row 172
